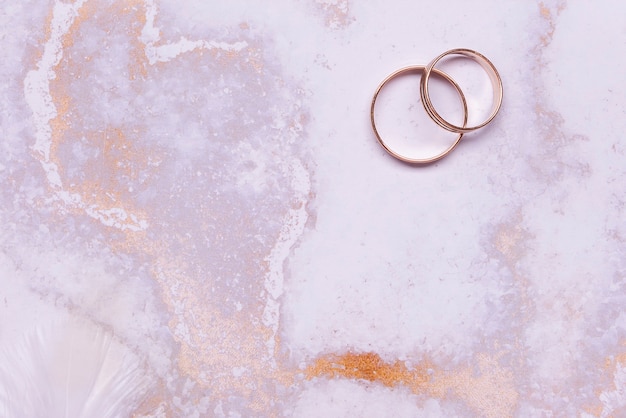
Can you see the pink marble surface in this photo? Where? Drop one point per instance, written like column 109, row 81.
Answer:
column 198, row 221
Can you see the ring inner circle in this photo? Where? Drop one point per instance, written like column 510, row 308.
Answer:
column 394, row 150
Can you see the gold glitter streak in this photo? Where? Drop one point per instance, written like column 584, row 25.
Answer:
column 370, row 367
column 94, row 193
column 490, row 392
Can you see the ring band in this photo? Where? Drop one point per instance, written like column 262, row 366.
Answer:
column 421, row 69
column 496, row 82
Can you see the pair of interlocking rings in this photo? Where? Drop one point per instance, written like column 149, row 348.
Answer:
column 427, row 71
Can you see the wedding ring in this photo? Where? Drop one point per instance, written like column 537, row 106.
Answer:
column 422, row 69
column 496, row 82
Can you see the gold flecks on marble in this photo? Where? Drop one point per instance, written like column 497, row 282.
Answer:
column 214, row 344
column 154, row 405
column 610, row 367
column 255, row 59
column 370, row 367
column 549, row 17
column 551, row 126
column 120, row 157
column 92, row 193
column 508, row 241
column 490, row 392
column 595, row 411
column 336, row 13
column 138, row 68
column 550, row 122
column 620, row 358
column 58, row 126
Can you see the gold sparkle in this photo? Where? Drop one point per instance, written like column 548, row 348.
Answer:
column 550, row 18
column 491, row 392
column 370, row 367
column 336, row 14
column 610, row 366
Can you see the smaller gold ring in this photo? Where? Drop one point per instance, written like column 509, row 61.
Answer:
column 397, row 155
column 494, row 76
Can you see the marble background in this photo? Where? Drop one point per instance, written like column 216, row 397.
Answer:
column 197, row 219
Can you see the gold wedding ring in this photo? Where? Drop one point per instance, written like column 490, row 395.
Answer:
column 407, row 159
column 496, row 82
column 428, row 70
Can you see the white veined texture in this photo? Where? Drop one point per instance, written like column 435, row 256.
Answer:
column 73, row 369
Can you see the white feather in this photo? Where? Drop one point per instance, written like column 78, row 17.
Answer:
column 71, row 370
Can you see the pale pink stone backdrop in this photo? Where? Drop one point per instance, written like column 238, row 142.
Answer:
column 197, row 219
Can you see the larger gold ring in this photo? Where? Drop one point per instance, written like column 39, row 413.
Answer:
column 418, row 68
column 496, row 82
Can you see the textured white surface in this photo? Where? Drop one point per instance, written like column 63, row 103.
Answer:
column 201, row 181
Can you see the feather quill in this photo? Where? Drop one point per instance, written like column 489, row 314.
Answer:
column 71, row 370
